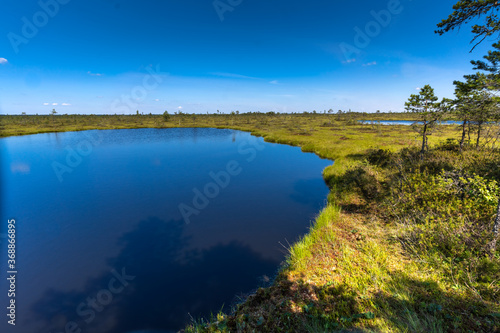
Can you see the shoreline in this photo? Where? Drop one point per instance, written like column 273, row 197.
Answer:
column 350, row 255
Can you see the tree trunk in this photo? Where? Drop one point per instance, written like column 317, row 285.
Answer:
column 463, row 135
column 496, row 227
column 468, row 134
column 424, row 140
column 478, row 135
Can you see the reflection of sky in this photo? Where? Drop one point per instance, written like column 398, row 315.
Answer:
column 110, row 210
column 17, row 167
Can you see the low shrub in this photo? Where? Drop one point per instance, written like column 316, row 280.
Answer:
column 364, row 179
column 379, row 157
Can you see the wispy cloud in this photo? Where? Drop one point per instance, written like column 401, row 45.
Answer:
column 94, row 74
column 283, row 95
column 3, row 61
column 349, row 61
column 373, row 63
column 233, row 75
column 274, row 82
column 55, row 104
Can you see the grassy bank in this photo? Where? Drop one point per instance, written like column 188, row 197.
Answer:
column 402, row 245
column 376, row 265
column 373, row 263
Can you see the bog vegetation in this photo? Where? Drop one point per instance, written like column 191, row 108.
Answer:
column 408, row 240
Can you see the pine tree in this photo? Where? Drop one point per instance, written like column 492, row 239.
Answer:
column 467, row 10
column 474, row 105
column 429, row 112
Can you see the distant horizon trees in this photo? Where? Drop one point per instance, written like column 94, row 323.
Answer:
column 166, row 116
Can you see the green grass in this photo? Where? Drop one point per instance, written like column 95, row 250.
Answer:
column 362, row 267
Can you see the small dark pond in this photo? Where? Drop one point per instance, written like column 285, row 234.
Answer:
column 137, row 230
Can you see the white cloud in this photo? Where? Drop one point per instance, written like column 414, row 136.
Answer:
column 418, row 88
column 157, row 100
column 63, row 104
column 373, row 63
column 283, row 95
column 179, row 107
column 348, row 61
column 232, row 75
column 274, row 82
column 94, row 74
column 3, row 61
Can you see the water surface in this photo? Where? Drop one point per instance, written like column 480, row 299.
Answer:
column 405, row 122
column 136, row 230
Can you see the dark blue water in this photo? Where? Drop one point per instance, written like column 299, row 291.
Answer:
column 135, row 230
column 405, row 122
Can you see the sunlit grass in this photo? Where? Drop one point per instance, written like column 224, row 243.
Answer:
column 350, row 271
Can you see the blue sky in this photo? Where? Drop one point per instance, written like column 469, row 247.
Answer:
column 119, row 56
